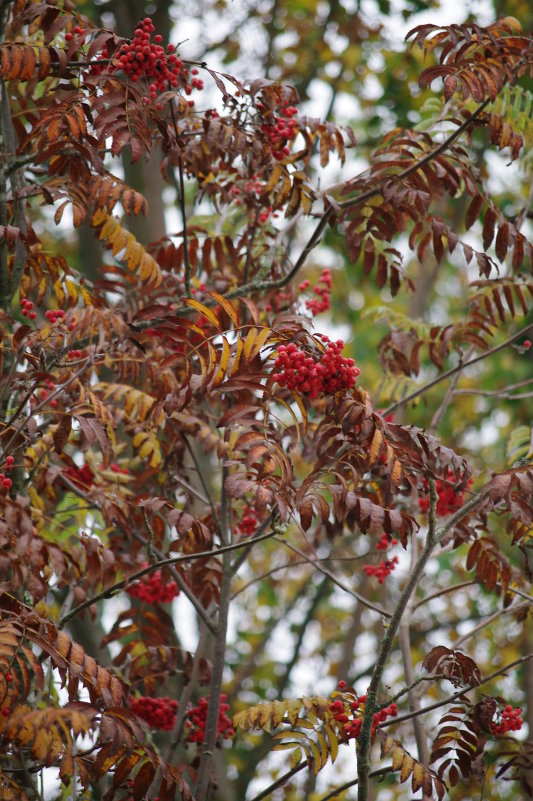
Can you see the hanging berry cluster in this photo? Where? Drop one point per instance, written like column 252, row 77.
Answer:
column 248, row 522
column 348, row 710
column 5, row 482
column 196, row 720
column 381, row 570
column 299, row 371
column 82, row 477
column 27, row 309
column 508, row 719
column 449, row 498
column 43, row 394
column 385, row 567
column 322, row 290
column 281, row 129
column 54, row 316
column 159, row 713
column 151, row 589
column 143, row 58
column 385, row 543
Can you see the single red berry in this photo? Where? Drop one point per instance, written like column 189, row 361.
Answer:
column 9, row 677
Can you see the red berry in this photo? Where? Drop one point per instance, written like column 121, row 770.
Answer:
column 9, row 677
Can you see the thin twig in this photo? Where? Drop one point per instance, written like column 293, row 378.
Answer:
column 434, row 536
column 203, row 780
column 422, row 390
column 316, row 235
column 404, row 641
column 175, row 560
column 379, row 772
column 444, row 591
column 488, row 620
column 450, row 698
column 317, row 564
column 182, row 584
column 448, row 396
column 181, row 199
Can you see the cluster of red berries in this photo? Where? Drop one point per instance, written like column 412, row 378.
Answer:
column 281, row 130
column 27, row 309
column 76, row 31
column 381, row 570
column 196, row 720
column 54, row 316
column 43, row 394
column 384, row 543
column 248, row 522
column 159, row 713
column 449, row 499
column 323, row 291
column 349, row 710
column 509, row 719
column 115, row 468
column 82, row 477
column 144, row 58
column 5, row 481
column 75, row 354
column 151, row 589
column 300, row 372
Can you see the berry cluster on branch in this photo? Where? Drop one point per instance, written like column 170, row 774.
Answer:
column 508, row 719
column 152, row 590
column 299, row 371
column 281, row 130
column 322, row 290
column 159, row 713
column 197, row 717
column 143, row 58
column 449, row 498
column 348, row 710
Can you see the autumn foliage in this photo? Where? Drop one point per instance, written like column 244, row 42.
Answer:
column 177, row 429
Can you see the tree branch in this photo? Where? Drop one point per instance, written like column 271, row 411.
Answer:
column 458, row 368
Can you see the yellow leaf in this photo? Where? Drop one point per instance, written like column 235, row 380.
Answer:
column 211, row 316
column 226, row 305
column 407, row 767
column 223, row 363
column 375, row 446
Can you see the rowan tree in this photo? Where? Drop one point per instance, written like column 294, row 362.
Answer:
column 190, row 454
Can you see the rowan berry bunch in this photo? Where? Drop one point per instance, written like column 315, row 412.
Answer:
column 159, row 713
column 385, row 543
column 348, row 710
column 82, row 477
column 248, row 522
column 381, row 570
column 196, row 721
column 297, row 370
column 43, row 394
column 323, row 292
column 5, row 482
column 508, row 719
column 281, row 130
column 28, row 309
column 449, row 498
column 55, row 316
column 151, row 590
column 145, row 59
